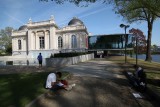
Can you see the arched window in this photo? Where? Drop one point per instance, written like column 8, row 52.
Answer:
column 60, row 42
column 74, row 41
column 19, row 45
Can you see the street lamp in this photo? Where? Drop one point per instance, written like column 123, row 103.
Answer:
column 125, row 27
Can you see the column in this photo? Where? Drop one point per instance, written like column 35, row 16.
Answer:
column 35, row 35
column 49, row 43
column 69, row 41
column 45, row 40
column 37, row 41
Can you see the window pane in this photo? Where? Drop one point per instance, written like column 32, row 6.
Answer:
column 41, row 41
column 60, row 42
column 109, row 41
column 74, row 41
column 19, row 45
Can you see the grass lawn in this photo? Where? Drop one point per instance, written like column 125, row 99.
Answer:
column 17, row 90
column 152, row 70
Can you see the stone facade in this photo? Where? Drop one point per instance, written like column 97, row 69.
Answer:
column 46, row 37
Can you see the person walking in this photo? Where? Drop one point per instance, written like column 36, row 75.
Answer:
column 40, row 60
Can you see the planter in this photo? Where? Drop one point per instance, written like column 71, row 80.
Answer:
column 54, row 62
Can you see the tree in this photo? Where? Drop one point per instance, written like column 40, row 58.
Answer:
column 76, row 2
column 152, row 5
column 154, row 47
column 5, row 39
column 134, row 11
column 141, row 40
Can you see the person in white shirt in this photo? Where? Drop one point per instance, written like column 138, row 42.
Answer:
column 54, row 83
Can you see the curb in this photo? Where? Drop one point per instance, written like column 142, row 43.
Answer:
column 149, row 91
column 32, row 102
column 153, row 94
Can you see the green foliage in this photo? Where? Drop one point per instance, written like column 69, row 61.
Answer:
column 134, row 11
column 82, row 3
column 9, row 49
column 155, row 53
column 74, row 1
column 152, row 5
column 17, row 90
column 9, row 62
column 71, row 54
column 51, row 56
column 6, row 40
column 2, row 52
column 155, row 49
column 131, row 11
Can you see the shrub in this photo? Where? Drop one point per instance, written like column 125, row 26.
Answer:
column 70, row 54
column 9, row 62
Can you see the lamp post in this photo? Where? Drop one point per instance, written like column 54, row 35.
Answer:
column 125, row 27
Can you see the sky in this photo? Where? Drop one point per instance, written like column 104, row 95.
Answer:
column 99, row 18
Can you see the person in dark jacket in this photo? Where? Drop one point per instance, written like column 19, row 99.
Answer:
column 140, row 78
column 40, row 58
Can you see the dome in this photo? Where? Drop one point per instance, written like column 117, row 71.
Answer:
column 24, row 27
column 75, row 21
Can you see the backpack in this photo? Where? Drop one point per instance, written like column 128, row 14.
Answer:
column 64, row 82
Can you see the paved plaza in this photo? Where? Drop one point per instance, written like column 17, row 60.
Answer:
column 99, row 83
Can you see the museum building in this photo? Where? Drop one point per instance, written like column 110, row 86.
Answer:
column 47, row 38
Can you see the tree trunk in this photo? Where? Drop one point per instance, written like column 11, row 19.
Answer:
column 148, row 52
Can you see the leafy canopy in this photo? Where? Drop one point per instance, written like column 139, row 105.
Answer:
column 5, row 39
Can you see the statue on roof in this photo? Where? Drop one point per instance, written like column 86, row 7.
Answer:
column 30, row 20
column 52, row 17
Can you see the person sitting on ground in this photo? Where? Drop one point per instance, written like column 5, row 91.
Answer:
column 54, row 82
column 140, row 76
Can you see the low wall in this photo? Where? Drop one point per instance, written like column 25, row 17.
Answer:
column 14, row 60
column 52, row 62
